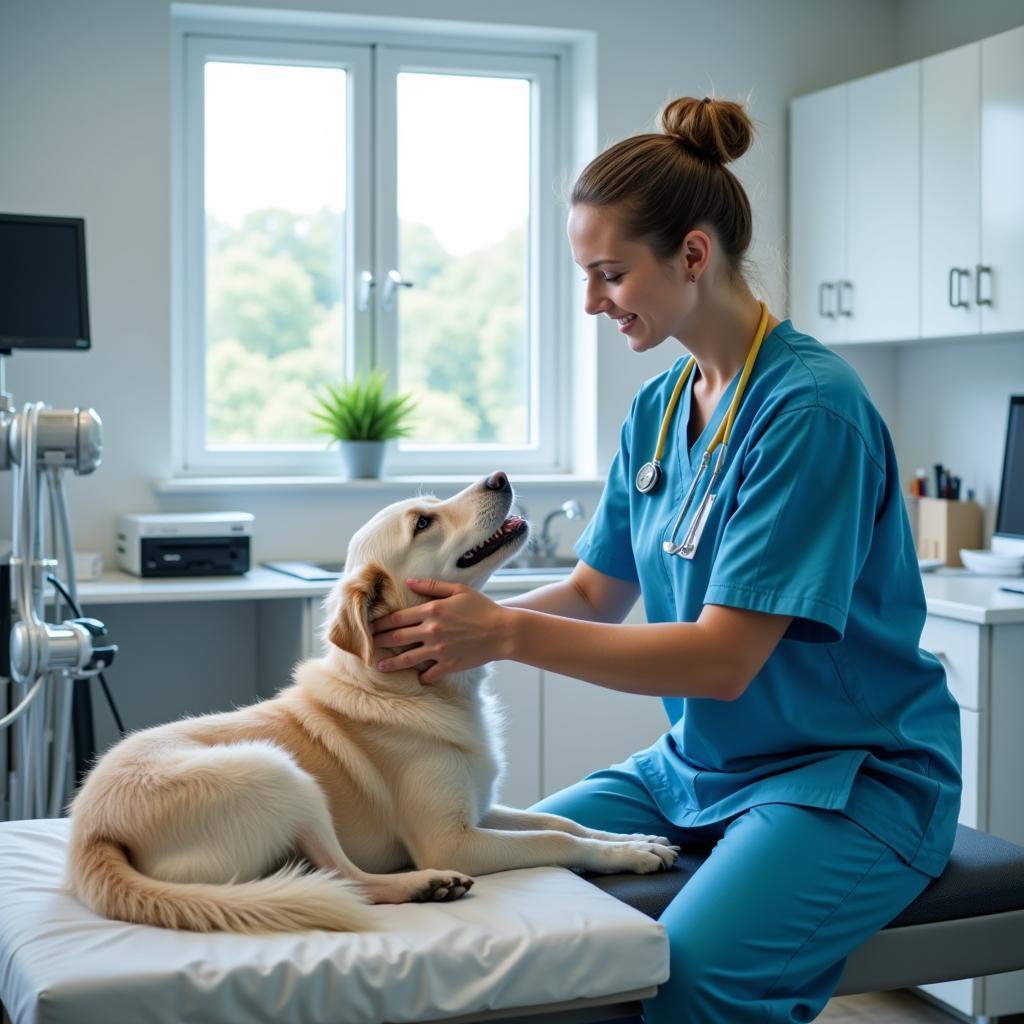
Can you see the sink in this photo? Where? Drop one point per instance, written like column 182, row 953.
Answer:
column 524, row 565
column 535, row 564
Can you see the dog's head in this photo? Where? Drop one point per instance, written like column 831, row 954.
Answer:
column 461, row 540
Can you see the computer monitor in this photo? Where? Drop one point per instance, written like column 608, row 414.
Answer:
column 1009, row 533
column 43, row 296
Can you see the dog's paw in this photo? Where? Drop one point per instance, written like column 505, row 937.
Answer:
column 637, row 855
column 443, row 887
column 639, row 837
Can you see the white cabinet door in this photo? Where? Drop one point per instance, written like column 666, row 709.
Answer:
column 1002, row 181
column 517, row 688
column 587, row 727
column 881, row 299
column 950, row 191
column 817, row 204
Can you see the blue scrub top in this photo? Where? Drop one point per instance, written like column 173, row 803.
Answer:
column 848, row 713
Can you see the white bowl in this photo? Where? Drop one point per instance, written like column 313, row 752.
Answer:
column 987, row 563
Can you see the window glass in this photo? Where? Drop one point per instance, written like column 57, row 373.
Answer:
column 275, row 188
column 463, row 201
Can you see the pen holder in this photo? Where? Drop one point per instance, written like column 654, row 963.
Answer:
column 944, row 527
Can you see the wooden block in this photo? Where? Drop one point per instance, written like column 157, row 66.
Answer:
column 944, row 527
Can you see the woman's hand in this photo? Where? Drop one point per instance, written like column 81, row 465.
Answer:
column 461, row 630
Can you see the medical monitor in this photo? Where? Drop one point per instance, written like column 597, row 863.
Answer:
column 1009, row 533
column 43, row 297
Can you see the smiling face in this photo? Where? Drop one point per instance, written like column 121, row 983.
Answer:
column 626, row 281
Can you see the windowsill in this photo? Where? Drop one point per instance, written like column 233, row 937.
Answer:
column 270, row 484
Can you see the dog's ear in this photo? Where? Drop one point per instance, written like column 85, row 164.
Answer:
column 366, row 594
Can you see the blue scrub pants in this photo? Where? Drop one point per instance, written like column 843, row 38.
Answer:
column 762, row 930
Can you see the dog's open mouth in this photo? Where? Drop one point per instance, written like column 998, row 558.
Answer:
column 509, row 530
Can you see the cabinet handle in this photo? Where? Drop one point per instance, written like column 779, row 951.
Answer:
column 978, row 271
column 957, row 274
column 821, row 304
column 839, row 298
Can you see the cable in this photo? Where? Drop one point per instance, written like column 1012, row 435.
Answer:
column 103, row 681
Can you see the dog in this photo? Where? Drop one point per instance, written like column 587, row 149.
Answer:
column 351, row 786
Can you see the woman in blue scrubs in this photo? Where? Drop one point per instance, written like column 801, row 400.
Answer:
column 810, row 739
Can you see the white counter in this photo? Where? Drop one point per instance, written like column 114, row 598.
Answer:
column 257, row 584
column 958, row 594
column 951, row 593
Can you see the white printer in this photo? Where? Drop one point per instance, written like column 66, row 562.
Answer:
column 184, row 543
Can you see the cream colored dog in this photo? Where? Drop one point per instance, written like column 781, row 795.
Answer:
column 352, row 785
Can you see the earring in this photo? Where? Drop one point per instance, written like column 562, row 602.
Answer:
column 693, row 277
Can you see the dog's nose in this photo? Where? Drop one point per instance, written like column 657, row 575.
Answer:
column 496, row 482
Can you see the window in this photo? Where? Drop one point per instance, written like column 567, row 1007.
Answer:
column 355, row 203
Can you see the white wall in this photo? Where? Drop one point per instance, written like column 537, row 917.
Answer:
column 85, row 130
column 952, row 397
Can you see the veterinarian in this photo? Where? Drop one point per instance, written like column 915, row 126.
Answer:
column 810, row 737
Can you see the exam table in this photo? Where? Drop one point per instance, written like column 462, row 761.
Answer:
column 541, row 946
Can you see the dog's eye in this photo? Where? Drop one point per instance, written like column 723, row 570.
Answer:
column 422, row 523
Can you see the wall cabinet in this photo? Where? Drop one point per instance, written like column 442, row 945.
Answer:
column 817, row 180
column 950, row 192
column 855, row 209
column 924, row 163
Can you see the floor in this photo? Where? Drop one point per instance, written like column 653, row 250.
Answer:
column 884, row 1008
column 893, row 1008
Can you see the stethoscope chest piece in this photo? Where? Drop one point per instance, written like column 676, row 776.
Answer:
column 648, row 477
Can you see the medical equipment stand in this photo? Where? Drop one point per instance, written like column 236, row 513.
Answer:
column 44, row 658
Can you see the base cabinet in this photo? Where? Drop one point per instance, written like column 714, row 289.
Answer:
column 983, row 669
column 558, row 729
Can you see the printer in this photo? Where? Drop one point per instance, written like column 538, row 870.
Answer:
column 184, row 543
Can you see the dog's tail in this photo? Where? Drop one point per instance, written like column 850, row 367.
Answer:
column 291, row 900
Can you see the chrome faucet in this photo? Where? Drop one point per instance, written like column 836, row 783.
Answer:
column 571, row 509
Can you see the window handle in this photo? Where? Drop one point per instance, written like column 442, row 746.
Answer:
column 366, row 283
column 392, row 283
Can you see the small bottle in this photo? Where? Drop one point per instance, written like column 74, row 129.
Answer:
column 922, row 482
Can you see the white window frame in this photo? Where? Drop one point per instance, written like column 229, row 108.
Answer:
column 371, row 56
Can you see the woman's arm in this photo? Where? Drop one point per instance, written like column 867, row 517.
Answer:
column 587, row 594
column 715, row 657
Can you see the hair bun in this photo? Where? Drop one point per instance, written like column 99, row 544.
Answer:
column 717, row 130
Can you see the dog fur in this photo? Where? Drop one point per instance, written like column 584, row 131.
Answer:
column 351, row 786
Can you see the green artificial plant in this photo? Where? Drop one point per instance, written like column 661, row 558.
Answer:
column 359, row 410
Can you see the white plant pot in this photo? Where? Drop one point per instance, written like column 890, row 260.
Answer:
column 362, row 460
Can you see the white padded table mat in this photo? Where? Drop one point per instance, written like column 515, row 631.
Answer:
column 520, row 938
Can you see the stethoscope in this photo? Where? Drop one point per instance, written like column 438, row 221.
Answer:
column 649, row 475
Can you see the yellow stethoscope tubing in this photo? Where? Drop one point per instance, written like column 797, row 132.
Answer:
column 719, row 441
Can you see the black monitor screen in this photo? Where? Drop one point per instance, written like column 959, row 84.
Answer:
column 1010, row 518
column 43, row 296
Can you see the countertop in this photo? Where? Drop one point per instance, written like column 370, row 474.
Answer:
column 951, row 593
column 257, row 584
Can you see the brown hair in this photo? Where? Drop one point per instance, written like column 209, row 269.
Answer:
column 669, row 182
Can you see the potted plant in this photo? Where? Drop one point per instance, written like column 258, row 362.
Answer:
column 362, row 419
